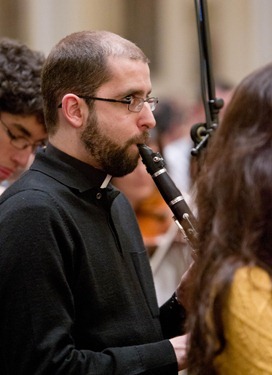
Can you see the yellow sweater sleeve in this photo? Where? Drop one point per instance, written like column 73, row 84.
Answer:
column 247, row 319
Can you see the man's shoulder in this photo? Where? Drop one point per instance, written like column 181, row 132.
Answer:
column 31, row 188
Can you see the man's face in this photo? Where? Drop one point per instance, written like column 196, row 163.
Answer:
column 112, row 131
column 12, row 160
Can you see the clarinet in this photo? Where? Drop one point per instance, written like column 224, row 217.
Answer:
column 183, row 216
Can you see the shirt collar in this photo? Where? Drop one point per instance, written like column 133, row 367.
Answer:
column 72, row 171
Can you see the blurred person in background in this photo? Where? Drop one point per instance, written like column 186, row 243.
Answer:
column 170, row 116
column 22, row 127
column 180, row 164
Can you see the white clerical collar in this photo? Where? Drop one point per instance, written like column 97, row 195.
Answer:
column 106, row 181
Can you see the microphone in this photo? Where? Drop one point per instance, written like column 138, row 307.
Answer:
column 198, row 131
column 199, row 135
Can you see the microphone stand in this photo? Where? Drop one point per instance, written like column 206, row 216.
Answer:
column 201, row 132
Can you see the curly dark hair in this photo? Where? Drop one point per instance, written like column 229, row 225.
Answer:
column 234, row 202
column 20, row 79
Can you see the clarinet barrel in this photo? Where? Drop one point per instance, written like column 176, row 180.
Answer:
column 183, row 216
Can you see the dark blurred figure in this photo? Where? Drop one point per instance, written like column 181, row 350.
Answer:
column 180, row 164
column 170, row 119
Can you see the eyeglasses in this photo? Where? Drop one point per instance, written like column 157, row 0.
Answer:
column 135, row 104
column 20, row 142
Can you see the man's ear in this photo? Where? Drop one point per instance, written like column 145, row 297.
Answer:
column 73, row 109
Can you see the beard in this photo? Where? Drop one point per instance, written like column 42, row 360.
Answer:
column 114, row 159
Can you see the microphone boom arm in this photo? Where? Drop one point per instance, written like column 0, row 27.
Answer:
column 200, row 133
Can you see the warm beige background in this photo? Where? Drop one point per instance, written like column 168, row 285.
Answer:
column 241, row 33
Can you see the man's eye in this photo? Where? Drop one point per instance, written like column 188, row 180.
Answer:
column 128, row 98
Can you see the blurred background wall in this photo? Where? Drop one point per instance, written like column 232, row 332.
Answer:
column 240, row 33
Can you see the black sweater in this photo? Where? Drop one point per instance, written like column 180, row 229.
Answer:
column 76, row 290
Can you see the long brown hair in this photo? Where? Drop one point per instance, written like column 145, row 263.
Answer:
column 234, row 202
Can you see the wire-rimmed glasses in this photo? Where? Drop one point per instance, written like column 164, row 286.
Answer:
column 134, row 103
column 20, row 142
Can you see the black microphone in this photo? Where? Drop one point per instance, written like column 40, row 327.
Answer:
column 198, row 132
column 199, row 136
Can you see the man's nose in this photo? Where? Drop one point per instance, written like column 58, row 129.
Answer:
column 147, row 118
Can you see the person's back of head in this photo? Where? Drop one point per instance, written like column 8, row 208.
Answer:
column 238, row 156
column 234, row 208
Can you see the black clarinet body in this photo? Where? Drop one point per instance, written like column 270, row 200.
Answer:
column 183, row 216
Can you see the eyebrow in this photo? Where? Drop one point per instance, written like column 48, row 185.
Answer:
column 25, row 132
column 139, row 93
column 22, row 129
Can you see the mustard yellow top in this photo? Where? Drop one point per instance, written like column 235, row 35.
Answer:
column 248, row 325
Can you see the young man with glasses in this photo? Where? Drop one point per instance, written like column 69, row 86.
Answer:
column 77, row 294
column 22, row 127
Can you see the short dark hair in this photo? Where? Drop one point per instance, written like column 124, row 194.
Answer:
column 20, row 79
column 79, row 64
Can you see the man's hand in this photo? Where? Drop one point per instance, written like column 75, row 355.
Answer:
column 180, row 345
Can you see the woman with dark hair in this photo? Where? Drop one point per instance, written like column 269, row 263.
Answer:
column 231, row 316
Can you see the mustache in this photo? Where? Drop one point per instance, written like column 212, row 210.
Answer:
column 140, row 139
